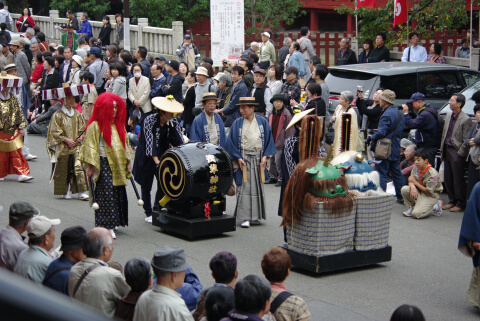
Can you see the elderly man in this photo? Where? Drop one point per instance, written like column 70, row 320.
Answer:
column 158, row 80
column 92, row 281
column 262, row 94
column 162, row 302
column 6, row 58
column 33, row 262
column 346, row 56
column 407, row 164
column 416, row 52
column 284, row 51
column 267, row 52
column 381, row 53
column 202, row 86
column 30, row 35
column 187, row 52
column 454, row 153
column 253, row 48
column 85, row 27
column 21, row 61
column 11, row 240
column 250, row 142
column 208, row 126
column 425, row 123
column 56, row 277
column 390, row 126
column 252, row 299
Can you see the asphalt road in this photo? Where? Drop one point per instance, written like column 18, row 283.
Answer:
column 426, row 269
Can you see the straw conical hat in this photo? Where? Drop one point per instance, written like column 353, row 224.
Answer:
column 167, row 104
column 297, row 117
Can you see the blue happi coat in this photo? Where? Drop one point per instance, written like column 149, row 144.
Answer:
column 199, row 131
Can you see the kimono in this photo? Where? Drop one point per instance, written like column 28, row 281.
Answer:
column 68, row 173
column 201, row 133
column 250, row 196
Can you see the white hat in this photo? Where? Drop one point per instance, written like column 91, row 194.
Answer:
column 266, row 34
column 78, row 60
column 202, row 71
column 254, row 44
column 217, row 76
column 39, row 225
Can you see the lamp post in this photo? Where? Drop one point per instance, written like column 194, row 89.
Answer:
column 126, row 25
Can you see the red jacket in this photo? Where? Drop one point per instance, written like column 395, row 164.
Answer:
column 37, row 73
column 20, row 22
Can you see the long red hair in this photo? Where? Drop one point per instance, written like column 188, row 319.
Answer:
column 103, row 114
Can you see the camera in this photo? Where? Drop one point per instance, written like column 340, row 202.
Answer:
column 224, row 62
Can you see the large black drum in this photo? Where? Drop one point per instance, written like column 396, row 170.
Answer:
column 195, row 173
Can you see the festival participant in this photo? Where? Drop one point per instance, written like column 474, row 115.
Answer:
column 65, row 134
column 106, row 157
column 12, row 122
column 250, row 142
column 208, row 126
column 160, row 131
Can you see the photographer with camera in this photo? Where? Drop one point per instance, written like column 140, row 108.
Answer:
column 370, row 110
column 425, row 122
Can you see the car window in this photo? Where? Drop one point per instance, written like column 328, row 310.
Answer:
column 338, row 81
column 439, row 84
column 469, row 103
column 470, row 76
column 403, row 85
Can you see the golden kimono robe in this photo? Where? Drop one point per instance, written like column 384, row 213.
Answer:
column 68, row 170
column 353, row 141
column 110, row 175
column 12, row 120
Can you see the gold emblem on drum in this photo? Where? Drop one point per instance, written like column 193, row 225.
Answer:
column 170, row 168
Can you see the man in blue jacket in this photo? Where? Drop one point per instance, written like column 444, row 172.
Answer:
column 390, row 126
column 425, row 124
column 232, row 109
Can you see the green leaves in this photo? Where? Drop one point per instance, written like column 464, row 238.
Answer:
column 95, row 9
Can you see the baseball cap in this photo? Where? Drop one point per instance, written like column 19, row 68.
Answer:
column 95, row 51
column 415, row 97
column 39, row 225
column 162, row 58
column 266, row 34
column 22, row 211
column 405, row 142
column 73, row 238
column 174, row 64
column 170, row 258
column 187, row 36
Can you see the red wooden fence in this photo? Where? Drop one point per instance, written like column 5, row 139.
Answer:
column 326, row 44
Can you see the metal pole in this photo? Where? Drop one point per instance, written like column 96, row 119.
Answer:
column 471, row 21
column 356, row 28
column 126, row 25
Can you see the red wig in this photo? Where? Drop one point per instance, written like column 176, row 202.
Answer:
column 104, row 115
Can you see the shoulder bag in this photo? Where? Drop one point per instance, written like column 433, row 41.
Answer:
column 383, row 146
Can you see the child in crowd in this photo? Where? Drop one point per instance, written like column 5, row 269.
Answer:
column 88, row 100
column 134, row 134
column 422, row 193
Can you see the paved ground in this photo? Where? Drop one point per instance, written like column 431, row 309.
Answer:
column 426, row 269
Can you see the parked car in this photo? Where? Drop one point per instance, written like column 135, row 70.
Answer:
column 469, row 104
column 436, row 81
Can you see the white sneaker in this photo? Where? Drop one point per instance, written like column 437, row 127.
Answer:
column 24, row 178
column 113, row 234
column 30, row 157
column 245, row 224
column 83, row 196
column 408, row 212
column 68, row 196
column 148, row 219
column 437, row 209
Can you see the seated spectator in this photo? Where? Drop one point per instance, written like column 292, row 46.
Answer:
column 224, row 271
column 138, row 275
column 407, row 164
column 218, row 302
column 39, row 124
column 422, row 193
column 56, row 277
column 252, row 299
column 407, row 312
column 92, row 281
column 283, row 305
column 162, row 302
column 41, row 42
column 36, row 76
column 11, row 238
column 33, row 262
column 435, row 51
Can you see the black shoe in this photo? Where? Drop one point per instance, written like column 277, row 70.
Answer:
column 400, row 201
column 271, row 181
column 279, row 183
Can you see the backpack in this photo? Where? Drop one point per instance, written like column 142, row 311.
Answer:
column 440, row 124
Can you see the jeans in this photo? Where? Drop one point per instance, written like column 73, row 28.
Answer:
column 393, row 167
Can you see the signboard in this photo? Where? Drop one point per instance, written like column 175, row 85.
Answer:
column 227, row 27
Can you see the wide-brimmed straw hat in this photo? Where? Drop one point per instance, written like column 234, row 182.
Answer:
column 167, row 104
column 209, row 96
column 297, row 117
column 250, row 101
column 388, row 96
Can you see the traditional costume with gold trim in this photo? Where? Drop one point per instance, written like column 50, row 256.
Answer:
column 12, row 121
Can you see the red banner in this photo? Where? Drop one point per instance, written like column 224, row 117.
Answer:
column 400, row 12
column 366, row 3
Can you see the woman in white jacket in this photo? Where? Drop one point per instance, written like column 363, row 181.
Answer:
column 74, row 78
column 118, row 83
column 139, row 90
